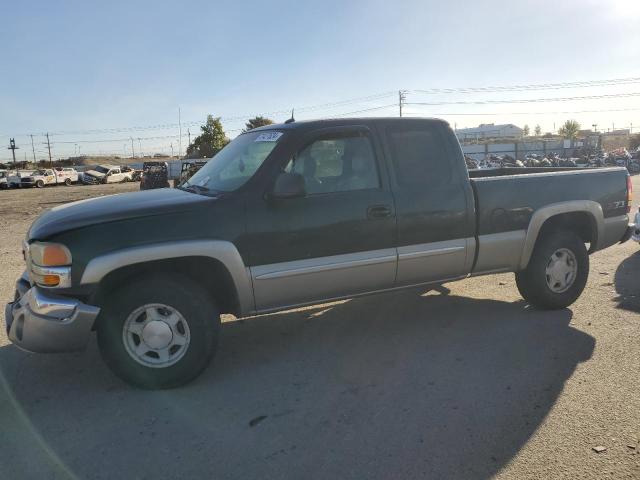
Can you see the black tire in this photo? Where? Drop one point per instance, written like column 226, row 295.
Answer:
column 68, row 182
column 532, row 282
column 40, row 183
column 182, row 294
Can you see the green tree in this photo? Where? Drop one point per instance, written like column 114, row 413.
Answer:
column 569, row 129
column 538, row 130
column 256, row 122
column 526, row 131
column 210, row 141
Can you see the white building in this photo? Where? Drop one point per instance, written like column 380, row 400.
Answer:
column 489, row 130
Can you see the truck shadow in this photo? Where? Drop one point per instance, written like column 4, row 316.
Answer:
column 627, row 283
column 394, row 386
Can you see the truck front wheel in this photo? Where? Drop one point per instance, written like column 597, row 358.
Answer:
column 159, row 332
column 40, row 184
column 557, row 271
column 67, row 182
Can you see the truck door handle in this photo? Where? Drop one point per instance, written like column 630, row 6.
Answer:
column 379, row 211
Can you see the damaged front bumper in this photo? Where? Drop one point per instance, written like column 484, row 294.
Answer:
column 38, row 321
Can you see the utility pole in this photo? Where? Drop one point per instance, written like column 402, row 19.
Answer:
column 171, row 149
column 133, row 152
column 180, row 132
column 49, row 148
column 12, row 147
column 402, row 96
column 33, row 149
column 189, row 134
column 124, row 151
column 140, row 145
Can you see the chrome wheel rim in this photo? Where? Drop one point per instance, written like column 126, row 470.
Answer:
column 561, row 270
column 156, row 335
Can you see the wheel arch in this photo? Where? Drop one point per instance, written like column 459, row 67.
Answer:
column 215, row 264
column 583, row 217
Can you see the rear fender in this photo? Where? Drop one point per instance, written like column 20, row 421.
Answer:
column 593, row 209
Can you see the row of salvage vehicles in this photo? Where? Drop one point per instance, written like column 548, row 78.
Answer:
column 153, row 175
column 43, row 177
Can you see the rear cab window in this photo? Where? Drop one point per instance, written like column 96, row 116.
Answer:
column 419, row 156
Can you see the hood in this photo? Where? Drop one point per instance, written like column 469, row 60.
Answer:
column 94, row 173
column 112, row 208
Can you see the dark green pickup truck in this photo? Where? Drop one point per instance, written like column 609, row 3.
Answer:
column 296, row 214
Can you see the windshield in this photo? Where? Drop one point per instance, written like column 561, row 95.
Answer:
column 236, row 163
column 100, row 169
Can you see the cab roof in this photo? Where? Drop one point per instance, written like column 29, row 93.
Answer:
column 337, row 122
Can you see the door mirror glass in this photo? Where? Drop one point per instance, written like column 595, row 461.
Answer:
column 289, row 185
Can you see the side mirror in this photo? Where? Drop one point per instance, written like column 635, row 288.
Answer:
column 289, row 185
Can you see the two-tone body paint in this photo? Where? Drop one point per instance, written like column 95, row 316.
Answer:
column 303, row 250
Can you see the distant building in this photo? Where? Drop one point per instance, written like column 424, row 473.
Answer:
column 489, row 130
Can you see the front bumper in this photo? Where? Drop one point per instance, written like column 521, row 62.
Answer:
column 38, row 321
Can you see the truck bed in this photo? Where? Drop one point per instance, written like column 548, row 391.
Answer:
column 507, row 198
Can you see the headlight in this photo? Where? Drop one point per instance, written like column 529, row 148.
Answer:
column 49, row 254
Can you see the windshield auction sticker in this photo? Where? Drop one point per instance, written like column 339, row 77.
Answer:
column 268, row 137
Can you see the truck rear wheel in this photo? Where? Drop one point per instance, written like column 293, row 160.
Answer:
column 67, row 182
column 159, row 332
column 557, row 272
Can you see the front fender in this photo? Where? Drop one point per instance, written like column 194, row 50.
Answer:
column 222, row 251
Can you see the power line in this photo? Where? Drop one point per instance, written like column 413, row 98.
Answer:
column 224, row 118
column 394, row 105
column 537, row 86
column 536, row 113
column 530, row 100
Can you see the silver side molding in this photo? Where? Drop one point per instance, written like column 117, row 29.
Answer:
column 311, row 280
column 431, row 261
column 223, row 251
column 499, row 252
column 614, row 229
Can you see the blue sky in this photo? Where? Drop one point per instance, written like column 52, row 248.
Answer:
column 81, row 66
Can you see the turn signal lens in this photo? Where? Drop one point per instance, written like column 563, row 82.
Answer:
column 50, row 254
column 50, row 280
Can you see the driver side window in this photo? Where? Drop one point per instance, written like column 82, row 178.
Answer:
column 336, row 164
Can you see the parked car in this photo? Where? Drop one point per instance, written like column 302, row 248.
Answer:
column 15, row 180
column 297, row 214
column 3, row 179
column 188, row 170
column 154, row 175
column 49, row 176
column 636, row 231
column 104, row 174
column 130, row 174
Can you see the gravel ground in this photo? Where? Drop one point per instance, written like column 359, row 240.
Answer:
column 473, row 384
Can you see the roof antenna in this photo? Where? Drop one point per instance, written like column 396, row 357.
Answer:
column 291, row 120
